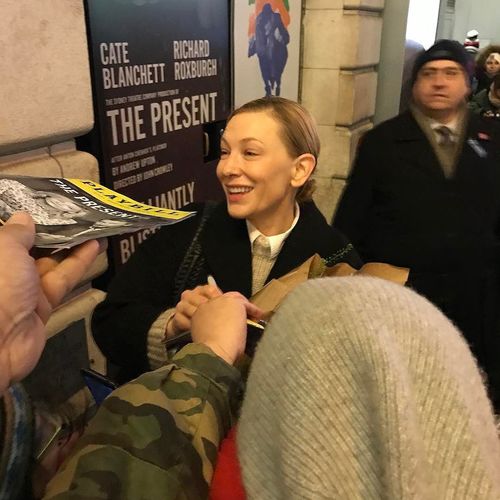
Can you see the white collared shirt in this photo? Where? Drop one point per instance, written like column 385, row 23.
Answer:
column 277, row 241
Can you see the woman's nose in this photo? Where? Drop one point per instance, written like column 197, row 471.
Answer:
column 230, row 166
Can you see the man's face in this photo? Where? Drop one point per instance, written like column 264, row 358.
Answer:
column 441, row 87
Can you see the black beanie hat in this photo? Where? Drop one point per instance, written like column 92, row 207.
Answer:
column 449, row 50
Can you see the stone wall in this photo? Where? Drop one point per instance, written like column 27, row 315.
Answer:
column 46, row 101
column 341, row 49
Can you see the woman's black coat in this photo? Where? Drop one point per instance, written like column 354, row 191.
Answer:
column 144, row 287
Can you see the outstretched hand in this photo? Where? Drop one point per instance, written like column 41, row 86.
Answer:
column 29, row 290
column 220, row 324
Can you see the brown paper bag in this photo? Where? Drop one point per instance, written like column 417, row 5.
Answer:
column 270, row 297
column 387, row 272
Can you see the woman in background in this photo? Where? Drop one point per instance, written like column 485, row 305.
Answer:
column 487, row 66
column 487, row 102
column 268, row 226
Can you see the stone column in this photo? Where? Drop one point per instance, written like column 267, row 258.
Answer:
column 392, row 59
column 341, row 49
column 45, row 102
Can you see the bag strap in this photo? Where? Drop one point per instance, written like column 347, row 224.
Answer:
column 193, row 260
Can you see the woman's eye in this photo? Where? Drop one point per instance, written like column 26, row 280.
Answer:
column 251, row 153
column 224, row 152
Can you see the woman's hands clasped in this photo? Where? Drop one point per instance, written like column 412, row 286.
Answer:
column 187, row 306
column 215, row 319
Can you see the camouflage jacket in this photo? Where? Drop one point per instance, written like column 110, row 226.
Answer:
column 157, row 436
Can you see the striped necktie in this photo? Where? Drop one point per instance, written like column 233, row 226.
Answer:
column 445, row 136
column 261, row 262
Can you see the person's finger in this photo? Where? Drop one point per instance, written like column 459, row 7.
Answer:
column 43, row 308
column 208, row 291
column 181, row 323
column 186, row 309
column 211, row 291
column 21, row 228
column 22, row 218
column 253, row 311
column 46, row 263
column 61, row 279
column 194, row 297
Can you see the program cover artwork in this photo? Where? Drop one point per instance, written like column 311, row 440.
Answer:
column 70, row 211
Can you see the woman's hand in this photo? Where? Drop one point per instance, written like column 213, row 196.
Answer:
column 187, row 306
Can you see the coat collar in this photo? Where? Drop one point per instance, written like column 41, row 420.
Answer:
column 304, row 241
column 415, row 150
column 228, row 253
column 408, row 128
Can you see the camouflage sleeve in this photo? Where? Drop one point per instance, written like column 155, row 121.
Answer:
column 157, row 436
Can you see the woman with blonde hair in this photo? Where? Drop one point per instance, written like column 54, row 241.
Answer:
column 487, row 66
column 267, row 226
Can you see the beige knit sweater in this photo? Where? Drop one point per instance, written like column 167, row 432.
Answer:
column 361, row 389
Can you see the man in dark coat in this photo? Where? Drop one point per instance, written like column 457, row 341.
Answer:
column 425, row 193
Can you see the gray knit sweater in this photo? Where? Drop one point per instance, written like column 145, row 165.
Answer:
column 361, row 389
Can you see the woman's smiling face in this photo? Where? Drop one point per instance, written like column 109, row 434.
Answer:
column 256, row 172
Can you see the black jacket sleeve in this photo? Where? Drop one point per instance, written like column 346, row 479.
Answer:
column 140, row 291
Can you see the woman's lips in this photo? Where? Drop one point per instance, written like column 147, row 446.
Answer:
column 237, row 193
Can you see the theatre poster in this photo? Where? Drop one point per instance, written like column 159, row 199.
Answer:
column 266, row 37
column 161, row 84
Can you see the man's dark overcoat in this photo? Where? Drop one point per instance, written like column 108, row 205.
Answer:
column 398, row 207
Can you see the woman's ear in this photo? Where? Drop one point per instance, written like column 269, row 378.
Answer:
column 302, row 169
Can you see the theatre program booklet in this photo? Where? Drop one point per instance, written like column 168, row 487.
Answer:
column 70, row 211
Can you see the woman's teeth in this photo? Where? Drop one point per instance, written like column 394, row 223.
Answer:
column 237, row 190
